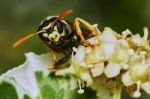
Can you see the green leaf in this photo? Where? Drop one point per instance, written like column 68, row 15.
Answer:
column 26, row 97
column 32, row 80
column 8, row 91
column 58, row 87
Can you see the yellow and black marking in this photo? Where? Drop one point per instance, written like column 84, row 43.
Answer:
column 60, row 35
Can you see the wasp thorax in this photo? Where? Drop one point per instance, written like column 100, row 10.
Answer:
column 54, row 29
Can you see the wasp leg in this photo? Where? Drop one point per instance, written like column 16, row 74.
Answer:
column 59, row 63
column 52, row 51
column 86, row 24
column 62, row 61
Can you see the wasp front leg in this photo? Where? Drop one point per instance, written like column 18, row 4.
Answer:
column 88, row 26
column 59, row 64
column 51, row 51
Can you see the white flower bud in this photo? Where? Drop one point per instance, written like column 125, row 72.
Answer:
column 126, row 79
column 108, row 36
column 146, row 86
column 112, row 70
column 97, row 70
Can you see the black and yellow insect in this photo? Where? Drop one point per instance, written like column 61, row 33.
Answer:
column 59, row 35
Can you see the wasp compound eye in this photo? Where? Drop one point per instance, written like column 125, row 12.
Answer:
column 60, row 27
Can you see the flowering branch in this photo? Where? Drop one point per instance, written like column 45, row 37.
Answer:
column 116, row 62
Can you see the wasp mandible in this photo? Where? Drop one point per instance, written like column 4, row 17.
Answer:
column 60, row 35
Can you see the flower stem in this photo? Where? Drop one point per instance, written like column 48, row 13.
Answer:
column 117, row 91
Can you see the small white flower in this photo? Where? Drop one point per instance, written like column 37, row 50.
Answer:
column 108, row 36
column 97, row 69
column 94, row 56
column 120, row 53
column 146, row 86
column 112, row 70
column 126, row 33
column 126, row 79
column 108, row 49
column 84, row 75
column 79, row 56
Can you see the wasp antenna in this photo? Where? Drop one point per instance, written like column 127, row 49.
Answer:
column 20, row 41
column 64, row 13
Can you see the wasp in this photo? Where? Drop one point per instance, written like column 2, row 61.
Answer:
column 60, row 35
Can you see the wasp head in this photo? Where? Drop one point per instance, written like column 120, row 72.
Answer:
column 54, row 29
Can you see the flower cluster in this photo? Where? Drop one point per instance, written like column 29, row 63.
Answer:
column 123, row 59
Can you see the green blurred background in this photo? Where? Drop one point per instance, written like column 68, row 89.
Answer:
column 21, row 17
